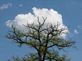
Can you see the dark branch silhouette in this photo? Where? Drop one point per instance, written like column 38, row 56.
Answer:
column 42, row 39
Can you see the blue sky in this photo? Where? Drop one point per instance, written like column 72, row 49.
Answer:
column 71, row 11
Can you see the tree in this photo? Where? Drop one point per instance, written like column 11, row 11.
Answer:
column 45, row 40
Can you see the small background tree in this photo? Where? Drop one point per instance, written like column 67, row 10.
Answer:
column 46, row 39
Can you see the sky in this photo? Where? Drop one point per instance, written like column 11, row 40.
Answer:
column 71, row 11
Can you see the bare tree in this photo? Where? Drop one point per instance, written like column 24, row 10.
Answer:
column 45, row 40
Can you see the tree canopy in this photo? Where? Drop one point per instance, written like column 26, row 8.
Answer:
column 45, row 39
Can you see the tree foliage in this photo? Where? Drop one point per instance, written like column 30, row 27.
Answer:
column 45, row 40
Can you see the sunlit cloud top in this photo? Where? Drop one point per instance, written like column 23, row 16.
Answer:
column 53, row 17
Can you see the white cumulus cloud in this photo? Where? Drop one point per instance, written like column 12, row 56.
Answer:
column 53, row 17
column 5, row 6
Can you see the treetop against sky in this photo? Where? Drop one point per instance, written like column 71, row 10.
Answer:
column 66, row 13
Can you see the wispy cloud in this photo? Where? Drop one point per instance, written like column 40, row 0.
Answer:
column 79, row 26
column 20, row 5
column 76, row 31
column 5, row 6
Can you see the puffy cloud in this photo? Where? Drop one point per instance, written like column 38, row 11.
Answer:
column 53, row 17
column 5, row 6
